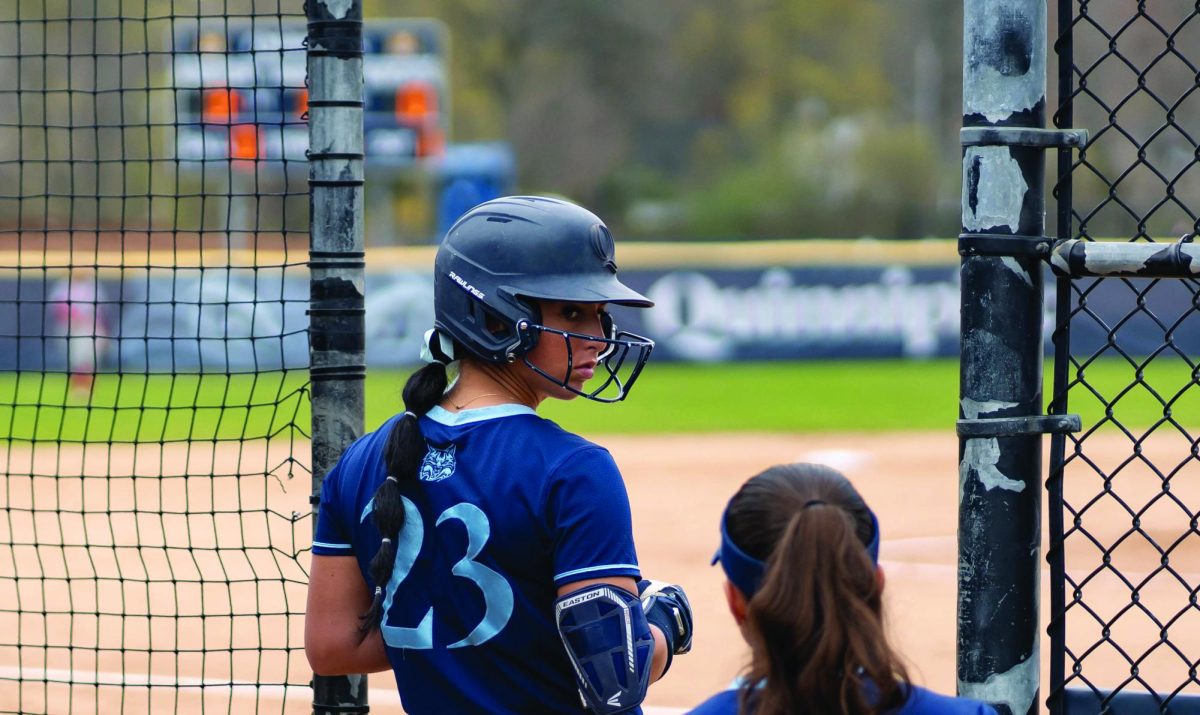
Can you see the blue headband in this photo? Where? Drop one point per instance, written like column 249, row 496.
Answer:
column 746, row 572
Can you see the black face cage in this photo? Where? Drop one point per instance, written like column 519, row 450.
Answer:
column 623, row 357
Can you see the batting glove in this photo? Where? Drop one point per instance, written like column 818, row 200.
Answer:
column 666, row 606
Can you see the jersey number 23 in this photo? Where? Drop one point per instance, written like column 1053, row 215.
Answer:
column 497, row 594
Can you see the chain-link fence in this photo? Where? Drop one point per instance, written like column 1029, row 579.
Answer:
column 1125, row 491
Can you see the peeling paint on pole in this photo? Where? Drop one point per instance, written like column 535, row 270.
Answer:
column 1004, row 63
column 338, row 9
column 973, row 409
column 1104, row 264
column 1017, row 269
column 1017, row 687
column 1059, row 262
column 993, row 189
column 1078, row 258
column 981, row 456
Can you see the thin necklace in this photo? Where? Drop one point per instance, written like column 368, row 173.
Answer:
column 477, row 397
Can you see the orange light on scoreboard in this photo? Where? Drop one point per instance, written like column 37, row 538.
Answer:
column 417, row 107
column 221, row 105
column 243, row 141
column 416, row 102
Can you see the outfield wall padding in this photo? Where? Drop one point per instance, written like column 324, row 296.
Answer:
column 766, row 301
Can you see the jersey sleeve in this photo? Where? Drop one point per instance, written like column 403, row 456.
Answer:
column 590, row 522
column 331, row 537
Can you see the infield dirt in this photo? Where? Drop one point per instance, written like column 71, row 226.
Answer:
column 679, row 485
column 80, row 547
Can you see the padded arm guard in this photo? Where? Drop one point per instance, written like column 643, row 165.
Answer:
column 609, row 644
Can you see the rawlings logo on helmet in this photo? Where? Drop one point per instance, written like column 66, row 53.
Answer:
column 467, row 286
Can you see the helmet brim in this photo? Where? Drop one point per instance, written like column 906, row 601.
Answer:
column 578, row 288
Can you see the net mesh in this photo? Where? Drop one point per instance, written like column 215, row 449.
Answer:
column 153, row 353
column 1125, row 491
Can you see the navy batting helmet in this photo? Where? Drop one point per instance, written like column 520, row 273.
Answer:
column 503, row 255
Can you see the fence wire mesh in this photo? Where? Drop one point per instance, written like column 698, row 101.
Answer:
column 1125, row 492
column 153, row 355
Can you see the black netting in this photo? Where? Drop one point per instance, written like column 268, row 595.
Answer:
column 1125, row 492
column 153, row 356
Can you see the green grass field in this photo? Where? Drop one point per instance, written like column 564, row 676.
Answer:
column 868, row 396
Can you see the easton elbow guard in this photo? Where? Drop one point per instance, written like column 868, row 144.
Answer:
column 609, row 644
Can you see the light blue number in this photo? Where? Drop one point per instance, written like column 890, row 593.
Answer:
column 497, row 594
column 410, row 540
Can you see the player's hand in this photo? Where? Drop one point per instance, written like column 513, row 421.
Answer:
column 666, row 606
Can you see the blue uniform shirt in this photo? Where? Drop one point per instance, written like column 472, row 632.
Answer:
column 509, row 507
column 920, row 702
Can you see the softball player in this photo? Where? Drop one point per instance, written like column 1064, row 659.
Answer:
column 800, row 549
column 481, row 552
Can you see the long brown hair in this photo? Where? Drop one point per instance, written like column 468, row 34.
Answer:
column 816, row 622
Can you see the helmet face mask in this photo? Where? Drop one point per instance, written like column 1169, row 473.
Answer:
column 501, row 259
column 623, row 356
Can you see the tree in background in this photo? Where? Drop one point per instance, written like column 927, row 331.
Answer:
column 674, row 118
column 715, row 118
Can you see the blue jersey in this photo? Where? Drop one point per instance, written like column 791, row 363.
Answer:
column 920, row 702
column 509, row 507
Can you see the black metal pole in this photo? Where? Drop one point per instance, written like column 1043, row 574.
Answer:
column 999, row 525
column 336, row 314
column 1064, row 118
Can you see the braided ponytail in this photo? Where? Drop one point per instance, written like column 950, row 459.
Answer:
column 403, row 453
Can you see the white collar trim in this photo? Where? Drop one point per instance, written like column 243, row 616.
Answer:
column 479, row 414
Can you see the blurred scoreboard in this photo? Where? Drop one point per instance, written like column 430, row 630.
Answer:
column 240, row 92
